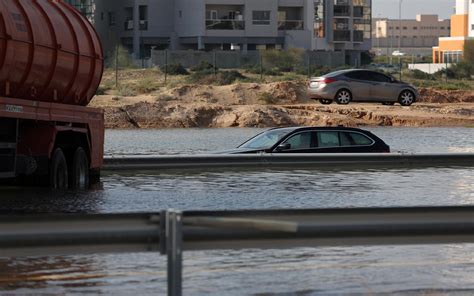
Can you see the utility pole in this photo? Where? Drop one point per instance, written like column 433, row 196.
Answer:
column 400, row 36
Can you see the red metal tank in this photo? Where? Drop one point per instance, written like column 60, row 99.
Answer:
column 48, row 52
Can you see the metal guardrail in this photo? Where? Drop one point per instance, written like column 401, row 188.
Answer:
column 283, row 160
column 171, row 232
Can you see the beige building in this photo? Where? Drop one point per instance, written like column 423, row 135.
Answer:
column 417, row 35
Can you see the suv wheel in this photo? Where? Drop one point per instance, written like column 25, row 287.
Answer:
column 343, row 97
column 406, row 98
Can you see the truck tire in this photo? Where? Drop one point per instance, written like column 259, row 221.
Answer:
column 58, row 172
column 79, row 175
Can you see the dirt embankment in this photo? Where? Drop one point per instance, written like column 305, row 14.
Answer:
column 275, row 104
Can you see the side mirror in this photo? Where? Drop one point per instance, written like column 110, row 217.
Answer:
column 283, row 147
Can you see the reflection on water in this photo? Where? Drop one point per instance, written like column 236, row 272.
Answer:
column 436, row 270
column 268, row 189
column 307, row 271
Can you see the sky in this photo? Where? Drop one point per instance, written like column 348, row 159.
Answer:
column 410, row 8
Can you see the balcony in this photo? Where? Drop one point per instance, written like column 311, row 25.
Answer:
column 358, row 11
column 342, row 11
column 143, row 25
column 342, row 36
column 290, row 18
column 358, row 36
column 225, row 17
column 290, row 25
column 225, row 24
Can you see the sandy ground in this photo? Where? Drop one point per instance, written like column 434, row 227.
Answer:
column 275, row 104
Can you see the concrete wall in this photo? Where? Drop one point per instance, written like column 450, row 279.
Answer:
column 237, row 59
column 428, row 68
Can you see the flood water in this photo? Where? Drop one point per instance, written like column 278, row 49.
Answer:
column 441, row 269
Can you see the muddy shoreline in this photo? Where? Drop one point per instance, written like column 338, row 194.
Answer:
column 275, row 105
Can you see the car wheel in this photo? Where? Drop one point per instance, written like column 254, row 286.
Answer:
column 406, row 98
column 388, row 103
column 325, row 101
column 343, row 97
column 58, row 174
column 79, row 175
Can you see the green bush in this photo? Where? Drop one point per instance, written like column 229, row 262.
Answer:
column 125, row 91
column 121, row 57
column 175, row 69
column 266, row 98
column 283, row 60
column 417, row 74
column 221, row 78
column 146, row 85
column 202, row 77
column 255, row 69
column 462, row 70
column 203, row 66
column 229, row 77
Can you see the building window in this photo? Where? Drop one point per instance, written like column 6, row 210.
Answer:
column 128, row 18
column 261, row 17
column 86, row 7
column 319, row 30
column 112, row 19
column 143, row 17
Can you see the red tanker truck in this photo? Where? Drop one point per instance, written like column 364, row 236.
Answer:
column 51, row 64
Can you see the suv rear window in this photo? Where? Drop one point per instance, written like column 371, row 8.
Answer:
column 355, row 139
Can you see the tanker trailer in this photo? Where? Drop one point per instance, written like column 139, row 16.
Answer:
column 51, row 64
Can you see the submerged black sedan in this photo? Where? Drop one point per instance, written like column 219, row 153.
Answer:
column 313, row 140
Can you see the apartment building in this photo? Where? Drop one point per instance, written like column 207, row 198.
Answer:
column 417, row 35
column 86, row 7
column 450, row 49
column 245, row 25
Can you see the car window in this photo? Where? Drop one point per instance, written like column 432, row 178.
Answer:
column 378, row 77
column 360, row 139
column 354, row 75
column 328, row 139
column 300, row 141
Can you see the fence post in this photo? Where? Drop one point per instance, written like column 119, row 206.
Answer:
column 214, row 63
column 446, row 70
column 309, row 64
column 116, row 64
column 174, row 242
column 166, row 66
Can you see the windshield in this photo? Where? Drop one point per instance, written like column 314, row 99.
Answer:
column 266, row 139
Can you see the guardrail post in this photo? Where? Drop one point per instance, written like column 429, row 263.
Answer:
column 174, row 242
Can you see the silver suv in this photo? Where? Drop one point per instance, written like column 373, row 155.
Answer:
column 361, row 86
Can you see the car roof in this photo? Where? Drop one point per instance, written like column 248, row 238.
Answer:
column 340, row 72
column 304, row 128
